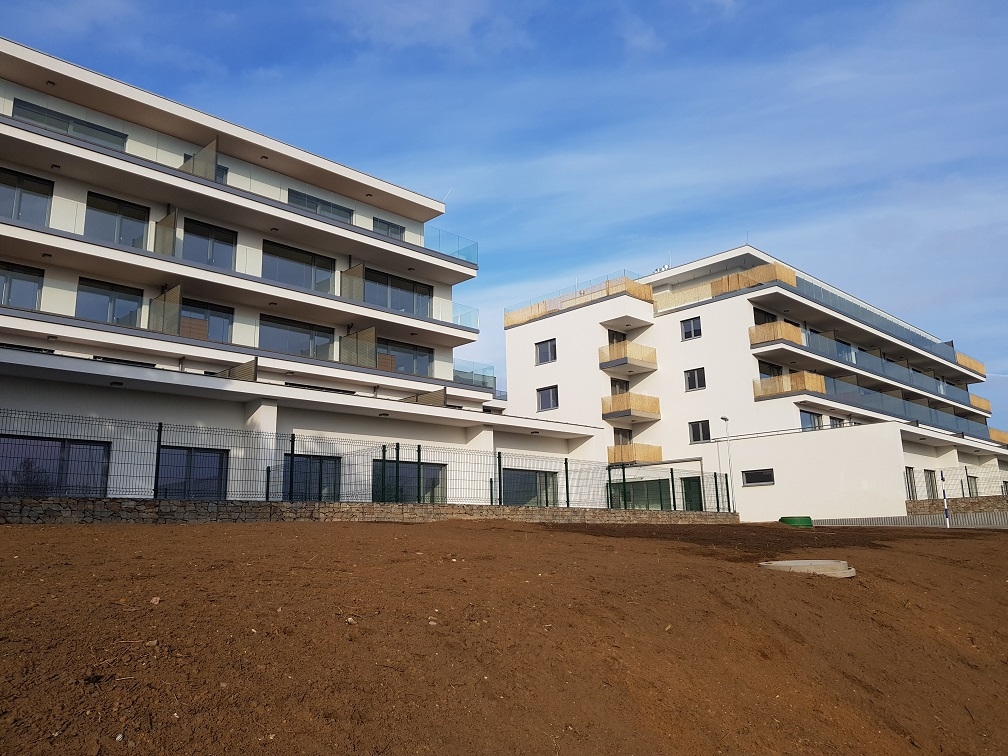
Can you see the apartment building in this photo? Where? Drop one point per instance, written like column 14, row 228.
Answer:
column 158, row 263
column 808, row 400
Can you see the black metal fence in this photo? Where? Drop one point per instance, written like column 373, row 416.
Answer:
column 51, row 455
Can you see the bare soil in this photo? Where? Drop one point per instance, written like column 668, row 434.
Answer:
column 454, row 638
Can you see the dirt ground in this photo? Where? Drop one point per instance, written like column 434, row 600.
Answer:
column 482, row 638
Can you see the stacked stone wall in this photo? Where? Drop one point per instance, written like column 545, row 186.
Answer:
column 67, row 511
column 957, row 506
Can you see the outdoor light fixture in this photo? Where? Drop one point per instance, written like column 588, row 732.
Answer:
column 46, row 255
column 50, row 83
column 51, row 337
column 274, row 230
column 264, row 157
column 272, row 304
column 383, row 414
column 413, row 333
column 410, row 268
column 54, row 166
column 116, row 384
column 535, row 433
column 368, row 195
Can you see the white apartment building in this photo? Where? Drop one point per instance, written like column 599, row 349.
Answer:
column 811, row 401
column 161, row 264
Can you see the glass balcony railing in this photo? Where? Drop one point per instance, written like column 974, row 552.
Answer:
column 464, row 315
column 885, row 323
column 475, row 374
column 872, row 364
column 451, row 244
column 858, row 396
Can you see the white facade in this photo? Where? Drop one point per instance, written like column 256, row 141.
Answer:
column 329, row 358
column 779, row 351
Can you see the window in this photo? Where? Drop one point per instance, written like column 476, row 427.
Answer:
column 762, row 316
column 20, row 286
column 971, row 486
column 545, row 351
column 65, row 124
column 31, row 466
column 617, row 386
column 108, row 303
column 911, row 484
column 291, row 337
column 409, row 358
column 845, row 351
column 298, row 268
column 811, row 420
column 616, row 337
column 836, row 422
column 696, row 379
column 699, row 430
column 311, row 478
column 25, row 198
column 220, row 171
column 115, row 221
column 399, row 294
column 403, row 481
column 691, row 329
column 1004, row 488
column 185, row 473
column 529, row 488
column 547, row 398
column 392, row 230
column 319, row 206
column 758, row 477
column 622, row 436
column 931, row 484
column 209, row 245
column 769, row 370
column 204, row 321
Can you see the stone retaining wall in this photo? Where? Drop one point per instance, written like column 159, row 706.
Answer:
column 974, row 504
column 65, row 511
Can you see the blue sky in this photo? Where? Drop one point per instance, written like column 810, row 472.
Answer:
column 864, row 142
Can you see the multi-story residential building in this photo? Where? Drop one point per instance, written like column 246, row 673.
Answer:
column 811, row 401
column 158, row 263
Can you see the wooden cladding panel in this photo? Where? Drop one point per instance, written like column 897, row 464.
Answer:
column 788, row 384
column 630, row 402
column 761, row 274
column 576, row 299
column 630, row 453
column 980, row 403
column 999, row 436
column 970, row 364
column 628, row 350
column 777, row 331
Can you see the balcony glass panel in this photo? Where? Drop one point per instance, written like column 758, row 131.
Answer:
column 451, row 244
column 475, row 374
column 409, row 359
column 20, row 286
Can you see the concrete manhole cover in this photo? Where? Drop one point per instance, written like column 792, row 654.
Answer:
column 829, row 567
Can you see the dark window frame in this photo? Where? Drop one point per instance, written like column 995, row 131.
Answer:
column 421, row 294
column 319, row 206
column 115, row 292
column 214, row 234
column 768, row 480
column 223, row 470
column 699, row 431
column 120, row 204
column 931, row 483
column 815, row 420
column 552, row 393
column 49, row 117
column 308, row 488
column 385, row 346
column 388, row 228
column 691, row 328
column 17, row 201
column 289, row 253
column 314, row 332
column 209, row 307
column 697, row 377
column 32, row 483
column 23, row 271
column 549, row 345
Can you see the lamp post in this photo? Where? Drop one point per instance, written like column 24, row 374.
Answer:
column 728, row 443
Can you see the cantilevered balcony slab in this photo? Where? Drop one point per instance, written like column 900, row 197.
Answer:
column 630, row 406
column 631, row 454
column 627, row 358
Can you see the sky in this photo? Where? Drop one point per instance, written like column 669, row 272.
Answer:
column 865, row 143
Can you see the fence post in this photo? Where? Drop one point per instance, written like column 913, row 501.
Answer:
column 671, row 472
column 491, row 492
column 608, row 490
column 157, row 461
column 703, row 492
column 566, row 481
column 267, row 482
column 397, row 472
column 623, row 468
column 419, row 476
column 500, row 477
column 727, row 493
column 717, row 496
column 381, row 490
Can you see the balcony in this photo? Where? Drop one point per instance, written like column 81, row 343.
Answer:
column 866, row 361
column 998, row 436
column 632, row 454
column 627, row 358
column 630, row 405
column 687, row 295
column 475, row 374
column 863, row 398
column 447, row 243
column 620, row 282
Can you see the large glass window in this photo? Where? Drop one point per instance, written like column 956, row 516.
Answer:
column 115, row 221
column 185, row 473
column 911, row 484
column 399, row 294
column 108, row 303
column 393, row 230
column 209, row 245
column 52, row 467
column 296, row 267
column 319, row 206
column 931, row 484
column 204, row 321
column 25, row 198
column 66, row 124
column 409, row 358
column 622, row 436
column 547, row 398
column 811, row 420
column 699, row 430
column 769, row 370
column 311, row 478
column 20, row 286
column 696, row 379
column 546, row 351
column 529, row 488
column 762, row 316
column 400, row 482
column 291, row 337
